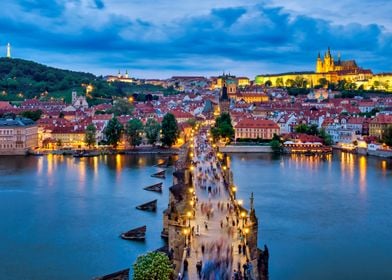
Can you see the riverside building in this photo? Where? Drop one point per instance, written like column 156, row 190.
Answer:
column 17, row 136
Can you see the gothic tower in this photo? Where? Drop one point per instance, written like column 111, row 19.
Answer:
column 224, row 102
column 319, row 64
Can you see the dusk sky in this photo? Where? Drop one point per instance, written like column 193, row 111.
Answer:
column 161, row 38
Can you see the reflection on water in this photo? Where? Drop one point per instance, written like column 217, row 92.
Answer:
column 61, row 216
column 362, row 173
column 319, row 215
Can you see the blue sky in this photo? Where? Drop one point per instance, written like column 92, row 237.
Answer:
column 161, row 38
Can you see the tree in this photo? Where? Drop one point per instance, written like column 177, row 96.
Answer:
column 152, row 130
column 387, row 136
column 121, row 106
column 113, row 132
column 89, row 136
column 279, row 82
column 33, row 115
column 326, row 137
column 302, row 128
column 153, row 265
column 223, row 127
column 323, row 82
column 313, row 129
column 191, row 122
column 134, row 130
column 276, row 144
column 170, row 130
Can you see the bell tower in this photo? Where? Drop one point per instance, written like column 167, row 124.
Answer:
column 319, row 64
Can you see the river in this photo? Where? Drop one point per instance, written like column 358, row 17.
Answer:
column 322, row 219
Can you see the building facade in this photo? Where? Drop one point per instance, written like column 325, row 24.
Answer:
column 17, row 136
column 256, row 129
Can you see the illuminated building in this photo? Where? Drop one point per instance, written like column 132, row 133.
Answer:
column 332, row 71
column 17, row 136
column 379, row 124
column 120, row 78
column 256, row 129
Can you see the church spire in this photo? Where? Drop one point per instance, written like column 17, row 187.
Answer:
column 329, row 52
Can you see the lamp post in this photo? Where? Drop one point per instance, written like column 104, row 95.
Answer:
column 189, row 215
column 234, row 189
column 243, row 214
column 186, row 235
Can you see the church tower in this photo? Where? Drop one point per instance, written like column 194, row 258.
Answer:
column 319, row 64
column 328, row 62
column 224, row 102
column 8, row 50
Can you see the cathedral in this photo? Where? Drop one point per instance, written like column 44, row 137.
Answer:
column 328, row 64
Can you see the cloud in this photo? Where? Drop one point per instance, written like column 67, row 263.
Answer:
column 251, row 38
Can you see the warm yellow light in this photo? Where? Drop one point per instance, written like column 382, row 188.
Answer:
column 191, row 154
column 240, row 203
column 224, row 167
column 130, row 99
column 246, row 231
column 243, row 214
column 191, row 168
column 190, row 190
column 185, row 231
column 191, row 203
column 234, row 189
column 189, row 214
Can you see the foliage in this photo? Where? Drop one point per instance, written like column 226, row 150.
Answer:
column 170, row 130
column 121, row 106
column 276, row 146
column 152, row 130
column 134, row 130
column 21, row 79
column 323, row 82
column 113, row 132
column 301, row 128
column 33, row 115
column 387, row 136
column 89, row 136
column 153, row 265
column 327, row 139
column 192, row 122
column 223, row 127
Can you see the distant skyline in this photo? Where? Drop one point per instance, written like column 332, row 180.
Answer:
column 162, row 38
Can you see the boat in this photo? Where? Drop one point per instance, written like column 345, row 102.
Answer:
column 160, row 174
column 154, row 188
column 148, row 206
column 83, row 153
column 138, row 234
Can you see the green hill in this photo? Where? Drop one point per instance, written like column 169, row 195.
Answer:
column 22, row 79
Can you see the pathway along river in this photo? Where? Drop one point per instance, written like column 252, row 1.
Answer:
column 61, row 216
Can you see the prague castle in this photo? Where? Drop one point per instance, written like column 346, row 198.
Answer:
column 333, row 71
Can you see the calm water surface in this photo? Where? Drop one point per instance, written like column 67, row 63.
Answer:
column 61, row 217
column 321, row 219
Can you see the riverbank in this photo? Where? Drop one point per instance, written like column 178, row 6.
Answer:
column 97, row 152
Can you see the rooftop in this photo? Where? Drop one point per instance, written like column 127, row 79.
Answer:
column 16, row 122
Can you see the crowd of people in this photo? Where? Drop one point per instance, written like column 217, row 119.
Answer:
column 218, row 255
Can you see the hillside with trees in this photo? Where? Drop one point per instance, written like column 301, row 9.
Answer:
column 22, row 79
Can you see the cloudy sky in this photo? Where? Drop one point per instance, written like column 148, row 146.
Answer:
column 161, row 38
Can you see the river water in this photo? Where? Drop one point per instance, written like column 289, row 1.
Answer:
column 322, row 219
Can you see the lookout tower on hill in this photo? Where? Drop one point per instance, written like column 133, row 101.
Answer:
column 8, row 50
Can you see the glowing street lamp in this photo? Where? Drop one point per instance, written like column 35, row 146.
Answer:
column 189, row 215
column 243, row 215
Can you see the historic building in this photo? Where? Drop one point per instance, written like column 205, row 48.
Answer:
column 256, row 129
column 17, row 136
column 378, row 125
column 332, row 70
